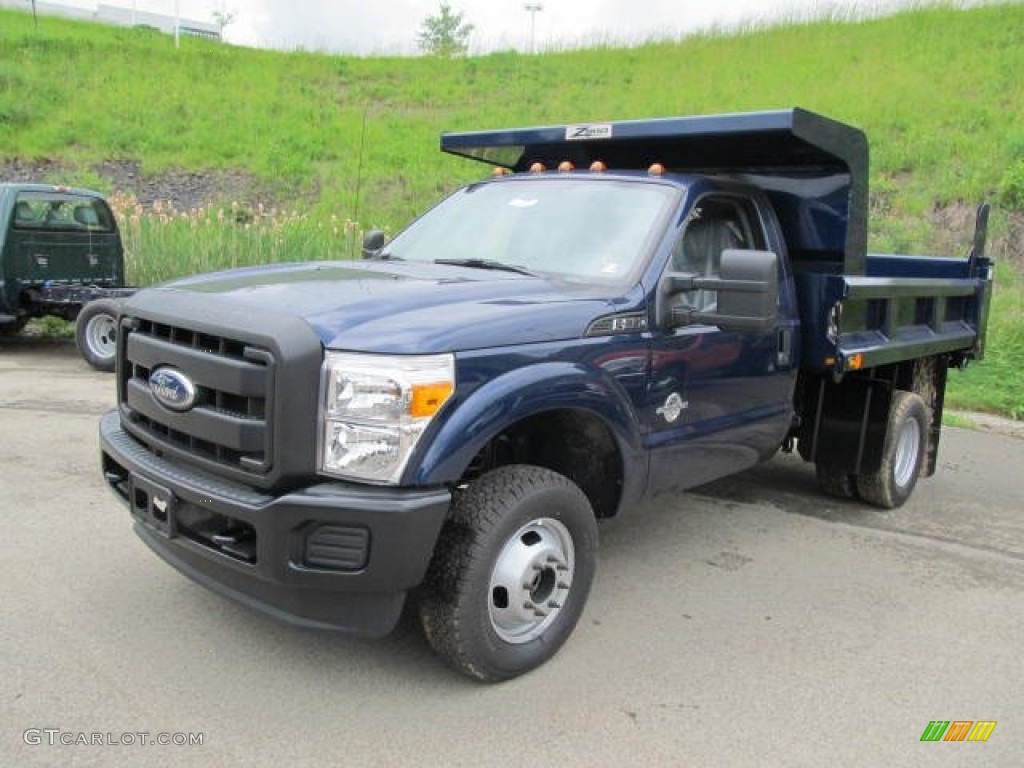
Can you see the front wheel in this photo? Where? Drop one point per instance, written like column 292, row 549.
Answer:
column 96, row 333
column 511, row 572
column 906, row 442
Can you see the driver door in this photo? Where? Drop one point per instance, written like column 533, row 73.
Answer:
column 718, row 401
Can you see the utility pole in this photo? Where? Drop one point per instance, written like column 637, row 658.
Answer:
column 532, row 9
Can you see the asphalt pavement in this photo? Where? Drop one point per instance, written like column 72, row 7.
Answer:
column 751, row 622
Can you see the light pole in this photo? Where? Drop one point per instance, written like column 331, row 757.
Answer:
column 532, row 8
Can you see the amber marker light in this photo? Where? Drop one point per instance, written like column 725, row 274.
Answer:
column 500, row 171
column 598, row 167
column 427, row 399
column 537, row 168
column 656, row 169
column 565, row 166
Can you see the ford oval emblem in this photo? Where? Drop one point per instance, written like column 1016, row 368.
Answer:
column 172, row 389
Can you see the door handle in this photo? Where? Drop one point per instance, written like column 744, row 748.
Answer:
column 784, row 354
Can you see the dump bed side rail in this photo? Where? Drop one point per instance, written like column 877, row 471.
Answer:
column 871, row 321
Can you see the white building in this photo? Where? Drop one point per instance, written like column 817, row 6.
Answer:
column 121, row 16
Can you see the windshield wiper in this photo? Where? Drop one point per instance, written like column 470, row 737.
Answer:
column 486, row 264
column 385, row 256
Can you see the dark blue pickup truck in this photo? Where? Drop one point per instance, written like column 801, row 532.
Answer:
column 622, row 309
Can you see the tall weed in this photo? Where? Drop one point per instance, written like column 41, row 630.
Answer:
column 162, row 243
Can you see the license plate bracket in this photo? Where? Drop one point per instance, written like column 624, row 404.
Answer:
column 153, row 504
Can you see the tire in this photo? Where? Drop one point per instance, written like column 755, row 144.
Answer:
column 837, row 484
column 511, row 572
column 13, row 329
column 96, row 333
column 906, row 442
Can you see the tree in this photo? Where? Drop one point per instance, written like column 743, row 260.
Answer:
column 445, row 34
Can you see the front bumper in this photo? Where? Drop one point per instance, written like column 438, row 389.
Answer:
column 334, row 555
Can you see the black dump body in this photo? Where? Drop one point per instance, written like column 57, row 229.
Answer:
column 857, row 310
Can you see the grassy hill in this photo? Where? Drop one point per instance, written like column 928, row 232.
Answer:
column 341, row 144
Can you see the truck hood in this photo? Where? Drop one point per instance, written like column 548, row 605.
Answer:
column 402, row 307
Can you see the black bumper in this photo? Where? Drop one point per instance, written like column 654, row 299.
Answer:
column 333, row 556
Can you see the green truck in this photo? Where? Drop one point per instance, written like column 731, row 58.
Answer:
column 61, row 255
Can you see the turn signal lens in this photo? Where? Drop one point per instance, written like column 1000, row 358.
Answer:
column 427, row 399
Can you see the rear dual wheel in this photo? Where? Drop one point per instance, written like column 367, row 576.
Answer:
column 511, row 573
column 906, row 441
column 836, row 483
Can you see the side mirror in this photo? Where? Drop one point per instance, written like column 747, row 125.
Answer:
column 747, row 287
column 373, row 242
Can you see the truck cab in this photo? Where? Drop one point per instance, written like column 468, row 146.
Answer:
column 621, row 309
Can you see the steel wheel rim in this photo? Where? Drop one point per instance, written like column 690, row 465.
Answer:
column 101, row 335
column 531, row 580
column 908, row 446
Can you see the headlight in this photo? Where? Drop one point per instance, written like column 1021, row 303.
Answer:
column 375, row 408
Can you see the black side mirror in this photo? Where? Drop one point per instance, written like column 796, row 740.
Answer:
column 747, row 287
column 373, row 243
column 756, row 270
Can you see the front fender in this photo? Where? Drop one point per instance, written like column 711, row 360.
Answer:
column 525, row 392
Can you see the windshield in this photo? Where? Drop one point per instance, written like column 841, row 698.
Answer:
column 587, row 228
column 61, row 211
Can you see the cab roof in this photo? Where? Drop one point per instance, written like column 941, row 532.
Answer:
column 15, row 186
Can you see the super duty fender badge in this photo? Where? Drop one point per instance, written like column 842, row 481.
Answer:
column 584, row 132
column 172, row 388
column 674, row 405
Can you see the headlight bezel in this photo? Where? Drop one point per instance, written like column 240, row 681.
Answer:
column 366, row 395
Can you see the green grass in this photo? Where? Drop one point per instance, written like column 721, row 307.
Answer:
column 352, row 141
column 996, row 384
column 954, row 419
column 935, row 90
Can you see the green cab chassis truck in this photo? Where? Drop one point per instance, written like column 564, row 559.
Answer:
column 61, row 255
column 622, row 309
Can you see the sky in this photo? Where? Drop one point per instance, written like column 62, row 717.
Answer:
column 368, row 27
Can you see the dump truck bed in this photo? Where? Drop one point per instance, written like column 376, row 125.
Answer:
column 905, row 307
